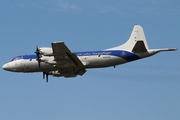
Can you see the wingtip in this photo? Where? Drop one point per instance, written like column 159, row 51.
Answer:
column 57, row 42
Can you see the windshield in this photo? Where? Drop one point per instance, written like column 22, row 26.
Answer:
column 16, row 58
column 24, row 57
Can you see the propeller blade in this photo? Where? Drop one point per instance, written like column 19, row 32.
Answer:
column 37, row 49
column 39, row 62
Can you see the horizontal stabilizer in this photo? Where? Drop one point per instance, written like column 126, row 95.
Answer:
column 159, row 50
column 154, row 51
column 139, row 47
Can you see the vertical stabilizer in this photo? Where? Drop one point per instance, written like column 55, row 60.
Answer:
column 136, row 43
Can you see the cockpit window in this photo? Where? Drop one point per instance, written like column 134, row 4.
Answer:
column 16, row 58
column 24, row 57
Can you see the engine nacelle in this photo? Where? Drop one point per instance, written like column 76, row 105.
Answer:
column 46, row 51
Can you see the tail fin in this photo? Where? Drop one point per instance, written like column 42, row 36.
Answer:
column 136, row 43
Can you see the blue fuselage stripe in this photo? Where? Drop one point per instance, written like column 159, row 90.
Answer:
column 119, row 53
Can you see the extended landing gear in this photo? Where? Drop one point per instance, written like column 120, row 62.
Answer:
column 44, row 73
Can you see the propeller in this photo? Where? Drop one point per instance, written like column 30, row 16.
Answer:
column 44, row 73
column 39, row 62
column 37, row 55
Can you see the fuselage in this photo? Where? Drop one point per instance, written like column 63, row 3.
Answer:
column 91, row 59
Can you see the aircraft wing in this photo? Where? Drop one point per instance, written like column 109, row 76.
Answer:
column 68, row 62
column 62, row 53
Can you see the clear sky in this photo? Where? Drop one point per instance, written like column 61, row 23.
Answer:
column 146, row 89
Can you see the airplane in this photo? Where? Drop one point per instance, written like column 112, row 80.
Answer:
column 60, row 61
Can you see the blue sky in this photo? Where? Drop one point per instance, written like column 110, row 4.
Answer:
column 143, row 89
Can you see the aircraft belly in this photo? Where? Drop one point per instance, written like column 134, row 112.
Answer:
column 103, row 61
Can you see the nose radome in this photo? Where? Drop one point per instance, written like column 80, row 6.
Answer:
column 5, row 67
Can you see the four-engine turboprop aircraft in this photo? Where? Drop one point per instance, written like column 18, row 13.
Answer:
column 60, row 61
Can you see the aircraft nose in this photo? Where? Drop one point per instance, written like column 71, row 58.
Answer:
column 9, row 67
column 5, row 67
